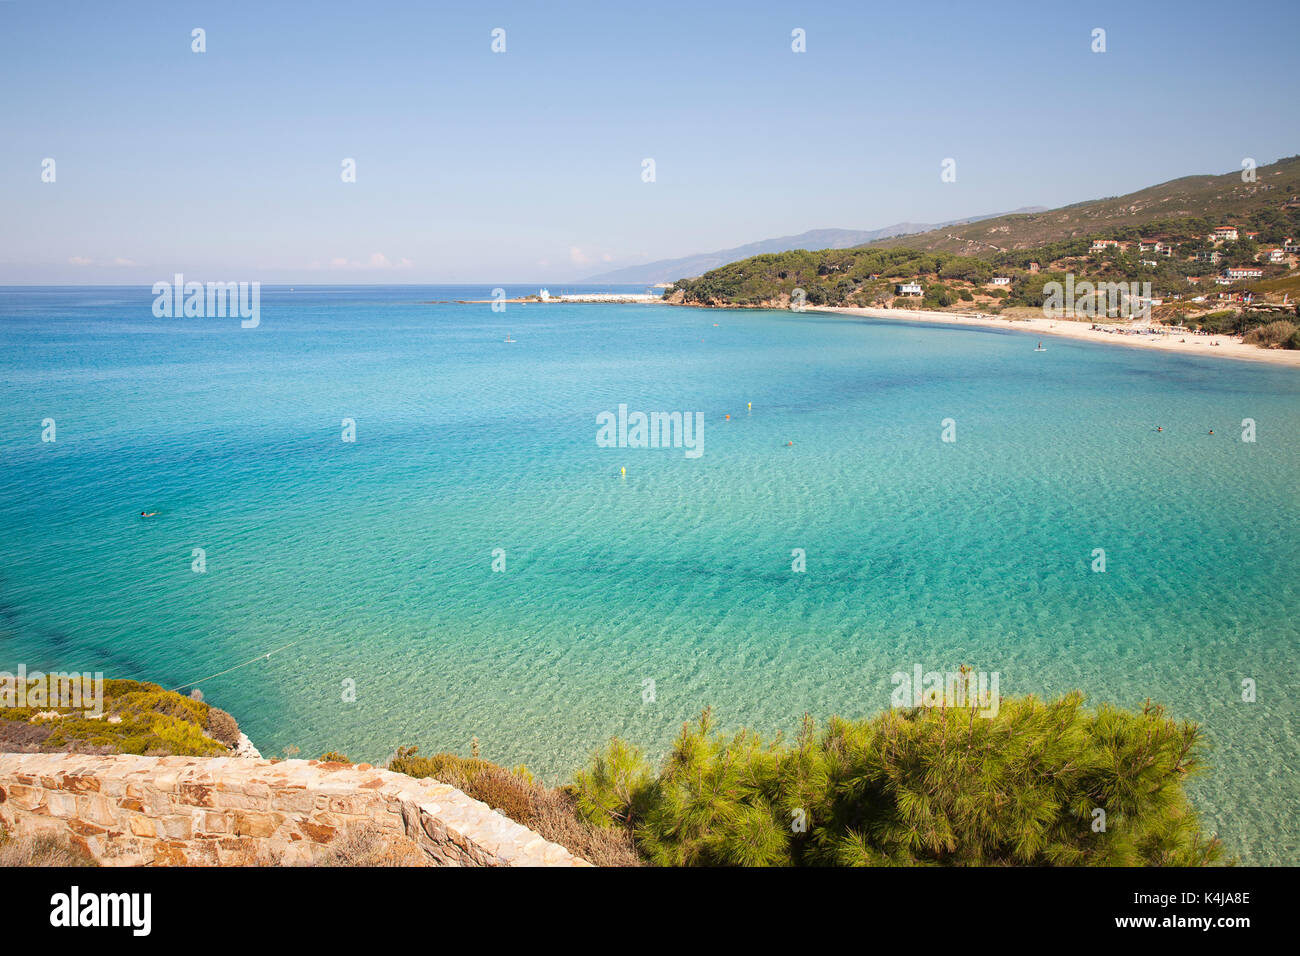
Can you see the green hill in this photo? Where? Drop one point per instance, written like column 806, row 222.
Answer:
column 1223, row 199
column 1023, row 252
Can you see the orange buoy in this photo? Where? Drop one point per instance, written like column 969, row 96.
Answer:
column 728, row 418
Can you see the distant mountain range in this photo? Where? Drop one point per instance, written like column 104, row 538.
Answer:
column 670, row 270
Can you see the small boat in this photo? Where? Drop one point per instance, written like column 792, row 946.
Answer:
column 1040, row 348
column 508, row 338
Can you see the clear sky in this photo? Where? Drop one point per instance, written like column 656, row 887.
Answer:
column 527, row 165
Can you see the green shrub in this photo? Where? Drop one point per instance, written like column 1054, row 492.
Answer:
column 1275, row 333
column 439, row 766
column 614, row 785
column 922, row 786
column 138, row 718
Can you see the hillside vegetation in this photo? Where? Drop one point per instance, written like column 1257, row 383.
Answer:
column 1040, row 783
column 1210, row 197
column 137, row 718
column 1183, row 273
column 1037, row 783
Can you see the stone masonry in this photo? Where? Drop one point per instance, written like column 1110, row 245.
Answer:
column 221, row 811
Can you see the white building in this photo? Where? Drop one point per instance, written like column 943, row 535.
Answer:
column 1002, row 280
column 907, row 288
column 1233, row 273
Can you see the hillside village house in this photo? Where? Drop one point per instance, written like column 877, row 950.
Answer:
column 1002, row 280
column 1234, row 273
column 1275, row 255
column 1156, row 245
column 907, row 288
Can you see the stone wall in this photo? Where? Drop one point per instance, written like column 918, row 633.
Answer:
column 220, row 811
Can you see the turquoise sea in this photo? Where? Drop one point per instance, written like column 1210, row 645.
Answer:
column 374, row 558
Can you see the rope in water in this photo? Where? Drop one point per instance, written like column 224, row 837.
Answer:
column 260, row 657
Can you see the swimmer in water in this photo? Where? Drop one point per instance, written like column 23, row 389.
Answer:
column 147, row 514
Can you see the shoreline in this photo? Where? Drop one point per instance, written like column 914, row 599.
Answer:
column 616, row 298
column 1229, row 347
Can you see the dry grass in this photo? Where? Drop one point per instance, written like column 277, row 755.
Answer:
column 222, row 727
column 41, row 849
column 368, row 845
column 555, row 820
column 547, row 811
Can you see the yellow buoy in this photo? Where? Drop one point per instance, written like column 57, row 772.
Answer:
column 749, row 406
column 623, row 472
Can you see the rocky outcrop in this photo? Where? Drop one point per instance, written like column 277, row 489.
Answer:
column 219, row 811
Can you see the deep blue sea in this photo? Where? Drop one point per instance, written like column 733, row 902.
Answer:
column 373, row 558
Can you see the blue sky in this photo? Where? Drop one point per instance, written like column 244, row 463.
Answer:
column 526, row 166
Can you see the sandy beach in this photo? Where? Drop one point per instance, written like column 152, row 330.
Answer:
column 1229, row 347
